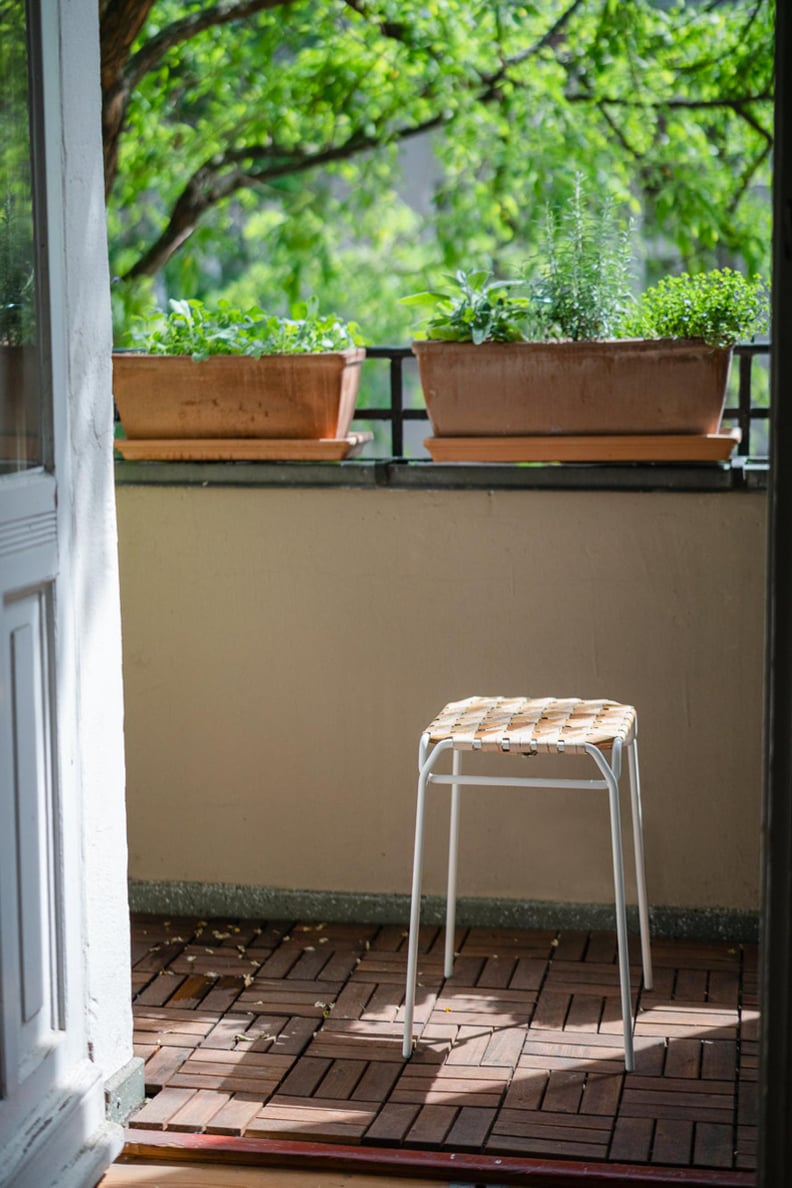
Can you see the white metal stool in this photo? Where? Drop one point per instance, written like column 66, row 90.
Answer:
column 530, row 726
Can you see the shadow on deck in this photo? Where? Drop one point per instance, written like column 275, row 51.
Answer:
column 290, row 1033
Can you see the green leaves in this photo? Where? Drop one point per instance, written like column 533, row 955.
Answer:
column 579, row 290
column 477, row 310
column 192, row 329
column 665, row 107
column 722, row 307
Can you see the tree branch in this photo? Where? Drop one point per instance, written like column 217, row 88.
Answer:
column 226, row 173
column 617, row 132
column 735, row 103
column 748, row 175
column 550, row 38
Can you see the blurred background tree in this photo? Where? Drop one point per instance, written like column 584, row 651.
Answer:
column 267, row 150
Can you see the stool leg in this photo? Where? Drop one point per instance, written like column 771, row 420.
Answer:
column 618, row 885
column 453, row 857
column 426, row 763
column 640, row 869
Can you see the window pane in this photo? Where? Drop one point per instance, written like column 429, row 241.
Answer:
column 20, row 386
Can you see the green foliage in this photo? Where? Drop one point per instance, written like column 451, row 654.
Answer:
column 300, row 120
column 722, row 307
column 579, row 289
column 17, row 274
column 190, row 328
column 17, row 282
column 580, row 284
column 476, row 310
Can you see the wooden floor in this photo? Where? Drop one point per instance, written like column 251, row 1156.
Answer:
column 291, row 1031
column 164, row 1175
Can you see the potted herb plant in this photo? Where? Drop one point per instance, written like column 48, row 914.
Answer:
column 234, row 383
column 564, row 363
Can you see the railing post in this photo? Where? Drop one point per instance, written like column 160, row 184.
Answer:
column 397, row 406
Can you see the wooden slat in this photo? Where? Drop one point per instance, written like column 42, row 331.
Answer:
column 673, row 1142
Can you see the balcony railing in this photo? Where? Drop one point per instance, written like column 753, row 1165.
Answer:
column 397, row 413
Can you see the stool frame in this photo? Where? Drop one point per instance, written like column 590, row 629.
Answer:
column 610, row 771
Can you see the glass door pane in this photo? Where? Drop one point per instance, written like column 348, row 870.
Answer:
column 20, row 372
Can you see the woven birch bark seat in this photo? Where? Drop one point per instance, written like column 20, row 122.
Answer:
column 604, row 731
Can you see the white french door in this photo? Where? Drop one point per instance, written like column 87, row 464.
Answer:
column 51, row 1096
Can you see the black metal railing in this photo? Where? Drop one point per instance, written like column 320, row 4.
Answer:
column 747, row 408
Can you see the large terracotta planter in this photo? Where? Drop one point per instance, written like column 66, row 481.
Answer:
column 537, row 389
column 236, row 397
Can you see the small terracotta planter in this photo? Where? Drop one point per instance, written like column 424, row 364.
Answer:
column 167, row 397
column 629, row 387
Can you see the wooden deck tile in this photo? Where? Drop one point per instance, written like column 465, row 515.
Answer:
column 229, row 1030
column 719, row 1059
column 683, row 1058
column 156, row 1114
column 223, row 994
column 585, row 1011
column 542, row 1132
column 391, row 1124
column 196, row 1113
column 470, row 1044
column 466, row 972
column 495, row 942
column 470, row 1129
column 670, row 1105
column 384, row 1004
column 431, row 1126
column 673, row 1142
column 497, row 972
column 351, row 1002
column 292, row 1038
column 601, row 1093
column 504, row 1048
column 713, row 1145
column 526, row 1088
column 233, row 1071
column 163, row 1065
column 331, row 1121
column 564, row 1091
column 390, row 938
column 632, row 1140
column 235, row 1116
column 294, row 1031
column 159, row 990
column 571, row 946
column 377, row 1082
column 551, row 1010
column 221, row 960
column 191, row 990
column 304, row 1076
column 341, row 1079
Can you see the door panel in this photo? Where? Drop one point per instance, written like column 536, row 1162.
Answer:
column 32, row 1009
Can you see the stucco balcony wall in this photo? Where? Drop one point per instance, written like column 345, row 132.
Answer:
column 283, row 649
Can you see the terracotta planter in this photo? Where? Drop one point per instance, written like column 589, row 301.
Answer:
column 277, row 396
column 539, row 389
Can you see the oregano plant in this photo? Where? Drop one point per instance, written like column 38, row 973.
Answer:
column 721, row 306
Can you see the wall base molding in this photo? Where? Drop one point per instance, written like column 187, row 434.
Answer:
column 228, row 899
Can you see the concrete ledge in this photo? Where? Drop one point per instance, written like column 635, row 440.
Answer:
column 738, row 475
column 226, row 899
column 125, row 1090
